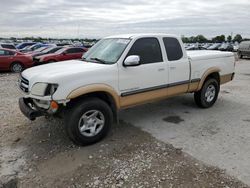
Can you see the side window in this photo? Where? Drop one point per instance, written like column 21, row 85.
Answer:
column 6, row 53
column 173, row 48
column 2, row 53
column 75, row 50
column 79, row 50
column 148, row 49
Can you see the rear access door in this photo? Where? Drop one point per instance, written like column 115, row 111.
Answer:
column 178, row 66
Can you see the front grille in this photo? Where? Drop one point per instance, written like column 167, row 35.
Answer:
column 24, row 84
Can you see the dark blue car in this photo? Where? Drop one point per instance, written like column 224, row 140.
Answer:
column 25, row 44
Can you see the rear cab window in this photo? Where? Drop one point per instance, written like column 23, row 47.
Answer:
column 75, row 50
column 173, row 48
column 148, row 49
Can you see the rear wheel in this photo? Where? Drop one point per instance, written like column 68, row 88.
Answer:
column 208, row 94
column 16, row 67
column 88, row 121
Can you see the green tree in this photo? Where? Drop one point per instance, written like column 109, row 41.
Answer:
column 200, row 39
column 220, row 38
column 237, row 38
column 229, row 38
column 184, row 39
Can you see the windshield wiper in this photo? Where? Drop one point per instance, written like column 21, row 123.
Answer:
column 99, row 60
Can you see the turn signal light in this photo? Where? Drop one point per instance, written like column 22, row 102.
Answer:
column 54, row 105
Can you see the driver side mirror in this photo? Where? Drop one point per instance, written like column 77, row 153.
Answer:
column 132, row 60
column 64, row 53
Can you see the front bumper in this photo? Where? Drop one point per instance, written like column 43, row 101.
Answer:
column 30, row 113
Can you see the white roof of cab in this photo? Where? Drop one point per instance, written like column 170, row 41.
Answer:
column 131, row 36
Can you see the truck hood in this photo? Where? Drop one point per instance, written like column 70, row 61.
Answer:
column 56, row 72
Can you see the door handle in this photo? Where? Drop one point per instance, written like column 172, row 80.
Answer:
column 172, row 68
column 161, row 69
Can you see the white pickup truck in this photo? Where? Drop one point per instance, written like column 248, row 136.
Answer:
column 120, row 72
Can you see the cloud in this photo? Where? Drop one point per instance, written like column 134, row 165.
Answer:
column 98, row 18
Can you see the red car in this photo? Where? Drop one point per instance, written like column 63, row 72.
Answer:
column 14, row 60
column 67, row 53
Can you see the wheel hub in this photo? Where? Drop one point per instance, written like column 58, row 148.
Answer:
column 210, row 93
column 17, row 68
column 91, row 123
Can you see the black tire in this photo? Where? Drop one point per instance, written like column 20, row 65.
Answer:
column 200, row 96
column 73, row 118
column 16, row 67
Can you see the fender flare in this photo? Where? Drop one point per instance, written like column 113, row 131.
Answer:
column 206, row 74
column 95, row 88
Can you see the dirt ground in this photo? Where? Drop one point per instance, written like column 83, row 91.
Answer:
column 39, row 154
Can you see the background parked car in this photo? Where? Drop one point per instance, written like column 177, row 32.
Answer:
column 205, row 46
column 244, row 49
column 35, row 46
column 67, row 53
column 236, row 47
column 14, row 60
column 226, row 47
column 46, row 50
column 214, row 46
column 24, row 44
column 8, row 46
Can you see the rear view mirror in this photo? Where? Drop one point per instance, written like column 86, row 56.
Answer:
column 132, row 60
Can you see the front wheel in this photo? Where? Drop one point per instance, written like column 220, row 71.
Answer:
column 16, row 67
column 88, row 121
column 208, row 94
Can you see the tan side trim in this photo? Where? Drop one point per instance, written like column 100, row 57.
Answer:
column 95, row 88
column 204, row 76
column 176, row 90
column 226, row 78
column 155, row 95
column 193, row 86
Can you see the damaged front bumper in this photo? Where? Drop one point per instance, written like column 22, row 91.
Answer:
column 25, row 105
column 33, row 108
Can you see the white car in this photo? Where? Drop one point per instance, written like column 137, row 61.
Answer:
column 117, row 73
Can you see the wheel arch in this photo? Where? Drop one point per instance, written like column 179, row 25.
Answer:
column 17, row 61
column 213, row 72
column 102, row 91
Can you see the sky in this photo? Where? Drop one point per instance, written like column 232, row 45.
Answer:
column 99, row 18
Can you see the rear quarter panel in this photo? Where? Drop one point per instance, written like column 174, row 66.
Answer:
column 225, row 63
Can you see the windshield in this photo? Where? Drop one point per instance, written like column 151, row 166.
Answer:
column 51, row 49
column 107, row 51
column 60, row 51
column 224, row 45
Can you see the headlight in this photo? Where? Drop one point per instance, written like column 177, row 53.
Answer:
column 43, row 89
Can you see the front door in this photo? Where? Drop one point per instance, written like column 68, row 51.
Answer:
column 137, row 84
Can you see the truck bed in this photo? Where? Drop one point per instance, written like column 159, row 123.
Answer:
column 207, row 54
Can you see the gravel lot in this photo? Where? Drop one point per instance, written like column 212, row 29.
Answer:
column 39, row 154
column 218, row 136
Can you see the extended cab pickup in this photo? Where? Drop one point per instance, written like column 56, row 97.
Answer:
column 120, row 72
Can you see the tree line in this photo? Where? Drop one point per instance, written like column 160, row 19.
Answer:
column 216, row 39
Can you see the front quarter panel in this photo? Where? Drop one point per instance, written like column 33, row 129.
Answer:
column 74, row 85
